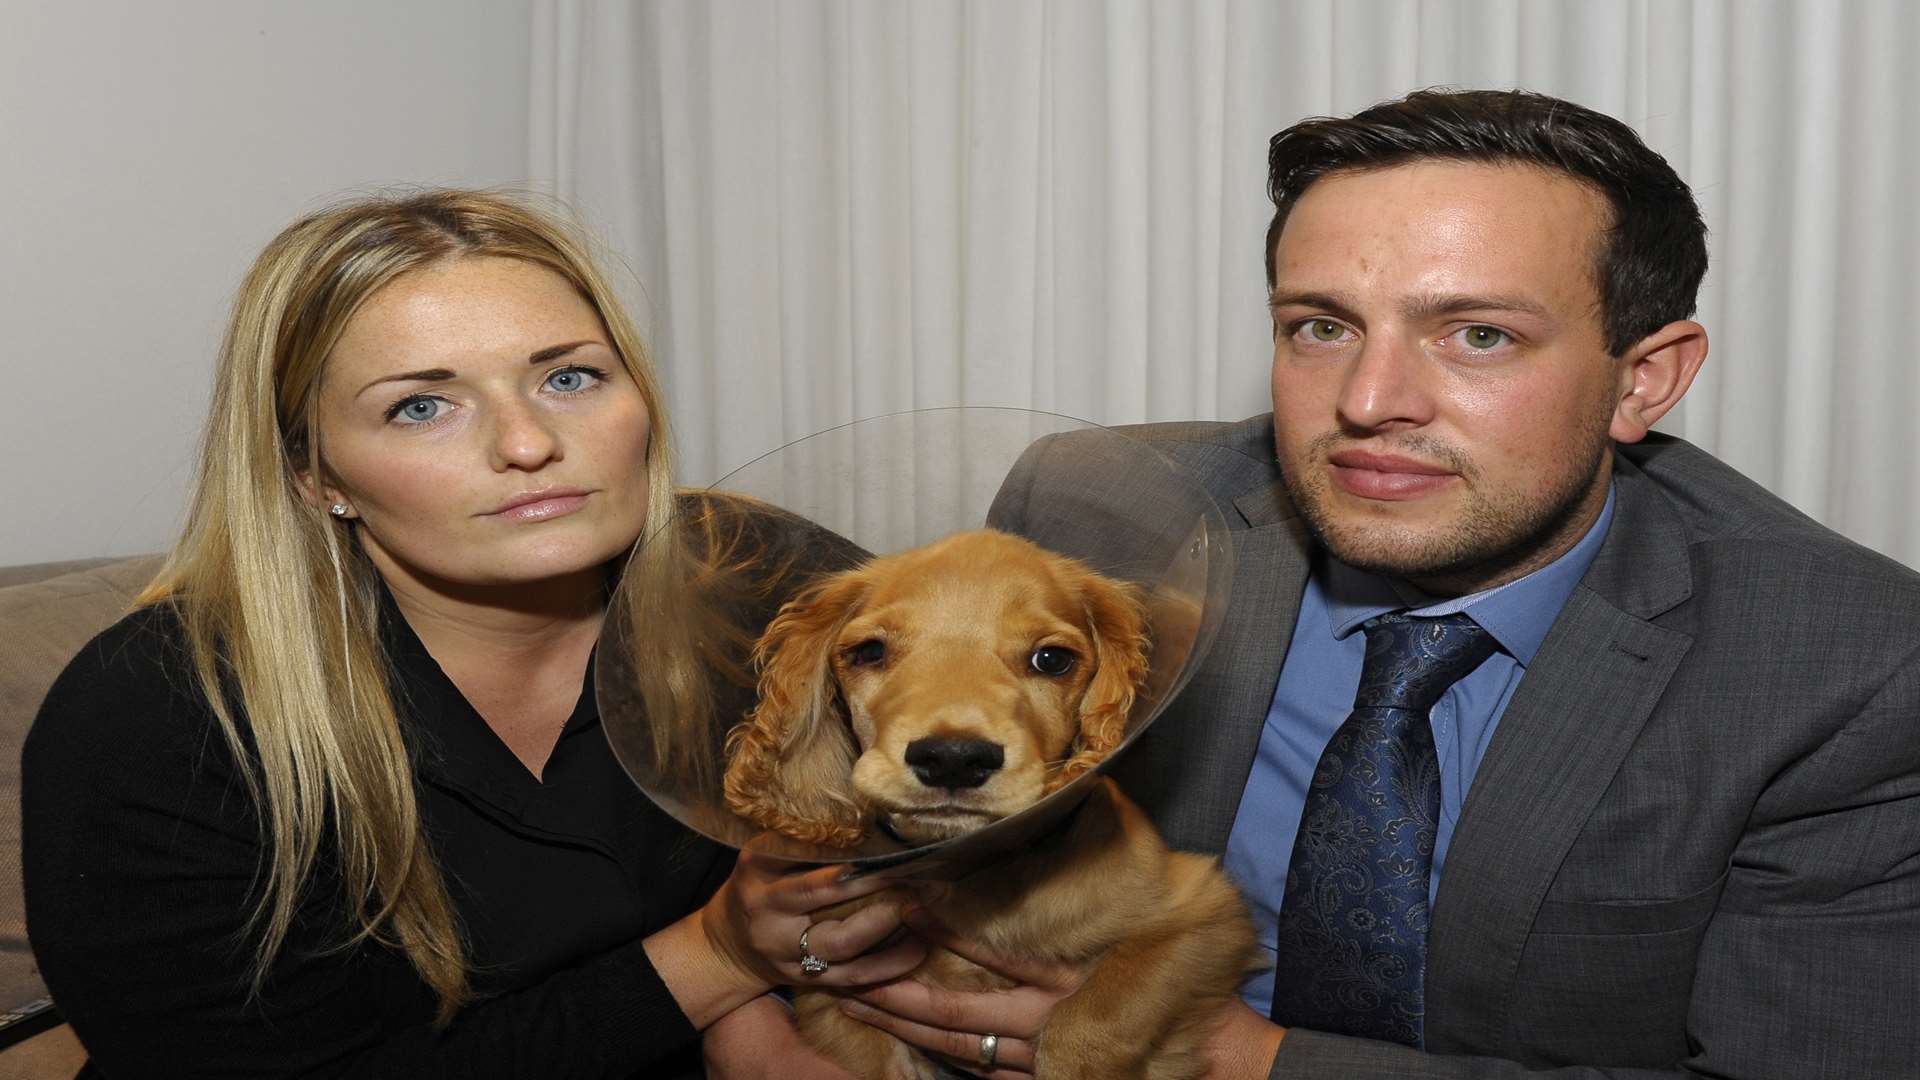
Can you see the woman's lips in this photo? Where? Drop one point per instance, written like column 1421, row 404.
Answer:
column 542, row 506
column 1379, row 476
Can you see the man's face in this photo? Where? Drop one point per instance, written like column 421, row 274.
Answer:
column 1442, row 393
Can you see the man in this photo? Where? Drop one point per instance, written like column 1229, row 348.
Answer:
column 1675, row 828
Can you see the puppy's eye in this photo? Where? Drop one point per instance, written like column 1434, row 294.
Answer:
column 1053, row 660
column 870, row 651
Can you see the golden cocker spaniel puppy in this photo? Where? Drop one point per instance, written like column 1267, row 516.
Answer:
column 935, row 691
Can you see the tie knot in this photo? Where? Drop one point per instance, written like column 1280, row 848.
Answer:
column 1411, row 661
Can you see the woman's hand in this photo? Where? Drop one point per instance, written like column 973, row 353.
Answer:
column 954, row 1023
column 757, row 918
column 758, row 1041
column 747, row 937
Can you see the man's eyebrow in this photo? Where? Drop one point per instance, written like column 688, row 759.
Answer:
column 1438, row 304
column 1332, row 303
column 1429, row 306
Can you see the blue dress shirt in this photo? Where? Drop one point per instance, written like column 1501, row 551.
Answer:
column 1315, row 695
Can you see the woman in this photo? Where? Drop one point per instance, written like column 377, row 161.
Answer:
column 333, row 800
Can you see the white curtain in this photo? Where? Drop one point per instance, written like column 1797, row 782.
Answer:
column 842, row 208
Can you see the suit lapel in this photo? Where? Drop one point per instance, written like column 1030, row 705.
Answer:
column 1192, row 768
column 1237, row 682
column 1596, row 679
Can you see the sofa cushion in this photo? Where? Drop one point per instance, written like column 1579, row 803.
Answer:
column 42, row 625
column 28, row 573
column 45, row 623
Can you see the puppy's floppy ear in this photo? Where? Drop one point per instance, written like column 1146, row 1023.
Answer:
column 1117, row 622
column 790, row 763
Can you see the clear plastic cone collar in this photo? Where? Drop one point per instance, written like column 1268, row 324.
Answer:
column 914, row 641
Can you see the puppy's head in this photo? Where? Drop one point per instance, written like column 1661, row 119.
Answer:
column 935, row 691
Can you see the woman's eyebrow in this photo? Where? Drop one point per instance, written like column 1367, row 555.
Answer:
column 438, row 374
column 553, row 352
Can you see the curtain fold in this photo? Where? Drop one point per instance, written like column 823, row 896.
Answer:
column 840, row 208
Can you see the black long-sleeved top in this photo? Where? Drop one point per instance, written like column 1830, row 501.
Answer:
column 142, row 856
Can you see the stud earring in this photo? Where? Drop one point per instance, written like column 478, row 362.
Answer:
column 338, row 510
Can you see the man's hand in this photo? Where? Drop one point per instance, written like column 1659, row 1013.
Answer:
column 951, row 1023
column 1243, row 1046
column 757, row 1041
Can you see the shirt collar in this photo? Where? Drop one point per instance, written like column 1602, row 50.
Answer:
column 449, row 738
column 1518, row 614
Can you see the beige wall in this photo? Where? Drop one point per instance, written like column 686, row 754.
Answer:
column 147, row 151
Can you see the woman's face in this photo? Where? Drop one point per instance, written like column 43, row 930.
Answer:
column 477, row 422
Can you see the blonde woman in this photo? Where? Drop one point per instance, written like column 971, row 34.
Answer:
column 334, row 800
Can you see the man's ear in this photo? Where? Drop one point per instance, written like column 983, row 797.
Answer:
column 1655, row 375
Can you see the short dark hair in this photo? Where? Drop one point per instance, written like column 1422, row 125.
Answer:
column 1649, row 265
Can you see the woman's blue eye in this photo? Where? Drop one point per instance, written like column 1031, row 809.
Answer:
column 572, row 380
column 416, row 410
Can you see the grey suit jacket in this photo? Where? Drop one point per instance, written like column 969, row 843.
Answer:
column 1693, row 846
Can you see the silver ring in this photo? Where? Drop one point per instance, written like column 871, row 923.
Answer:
column 989, row 1050
column 811, row 964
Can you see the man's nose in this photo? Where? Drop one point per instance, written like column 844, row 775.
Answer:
column 1388, row 385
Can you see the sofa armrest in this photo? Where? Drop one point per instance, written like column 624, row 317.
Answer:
column 44, row 620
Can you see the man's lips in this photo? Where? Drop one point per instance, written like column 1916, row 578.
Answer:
column 1387, row 476
column 540, row 505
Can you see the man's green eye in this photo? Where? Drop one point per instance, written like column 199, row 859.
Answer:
column 1483, row 337
column 1324, row 330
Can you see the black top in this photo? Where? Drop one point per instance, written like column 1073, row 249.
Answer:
column 141, row 854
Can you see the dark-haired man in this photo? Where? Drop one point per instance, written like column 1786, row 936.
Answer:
column 1537, row 741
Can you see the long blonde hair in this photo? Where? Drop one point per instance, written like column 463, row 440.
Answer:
column 280, row 607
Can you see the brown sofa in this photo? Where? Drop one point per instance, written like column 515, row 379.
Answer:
column 47, row 611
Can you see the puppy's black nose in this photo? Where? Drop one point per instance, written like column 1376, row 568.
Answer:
column 954, row 763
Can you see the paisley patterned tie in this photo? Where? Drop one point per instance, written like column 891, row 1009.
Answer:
column 1353, row 923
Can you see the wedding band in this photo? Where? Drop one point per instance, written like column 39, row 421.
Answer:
column 989, row 1049
column 813, row 965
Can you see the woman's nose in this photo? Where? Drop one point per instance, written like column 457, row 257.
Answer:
column 523, row 438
